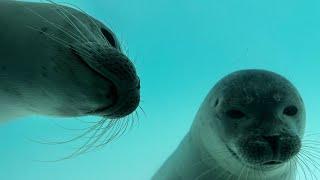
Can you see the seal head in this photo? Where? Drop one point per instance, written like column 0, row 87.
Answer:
column 249, row 126
column 59, row 61
column 257, row 115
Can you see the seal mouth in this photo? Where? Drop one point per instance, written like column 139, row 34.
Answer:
column 266, row 164
column 122, row 104
column 272, row 162
column 115, row 97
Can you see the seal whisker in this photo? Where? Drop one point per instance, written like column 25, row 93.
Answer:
column 247, row 174
column 66, row 13
column 95, row 138
column 294, row 165
column 302, row 166
column 117, row 132
column 104, row 130
column 311, row 153
column 310, row 144
column 225, row 174
column 307, row 134
column 60, row 41
column 307, row 161
column 313, row 148
column 123, row 125
column 261, row 173
column 79, row 150
column 298, row 165
column 109, row 132
column 133, row 120
column 90, row 145
column 206, row 172
column 241, row 171
column 59, row 27
column 107, row 128
column 102, row 39
column 290, row 169
column 144, row 113
column 289, row 173
column 313, row 162
column 84, row 148
column 70, row 140
column 312, row 141
column 63, row 12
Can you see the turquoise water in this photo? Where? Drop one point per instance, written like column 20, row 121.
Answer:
column 180, row 49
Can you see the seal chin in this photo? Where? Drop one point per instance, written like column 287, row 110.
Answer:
column 121, row 75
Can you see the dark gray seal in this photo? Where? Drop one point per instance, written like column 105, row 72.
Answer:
column 249, row 126
column 59, row 61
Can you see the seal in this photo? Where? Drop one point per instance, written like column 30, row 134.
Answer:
column 59, row 61
column 249, row 126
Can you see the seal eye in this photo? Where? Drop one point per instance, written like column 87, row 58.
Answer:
column 216, row 103
column 235, row 114
column 109, row 37
column 290, row 110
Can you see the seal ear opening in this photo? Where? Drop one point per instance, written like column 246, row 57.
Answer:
column 109, row 37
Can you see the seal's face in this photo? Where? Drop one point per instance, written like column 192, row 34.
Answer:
column 260, row 116
column 92, row 76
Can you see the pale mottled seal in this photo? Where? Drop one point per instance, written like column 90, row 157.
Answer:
column 249, row 126
column 55, row 60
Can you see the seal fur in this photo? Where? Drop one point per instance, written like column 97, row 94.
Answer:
column 59, row 61
column 249, row 126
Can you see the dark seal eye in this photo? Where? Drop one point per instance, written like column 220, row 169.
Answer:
column 216, row 103
column 235, row 114
column 109, row 37
column 290, row 110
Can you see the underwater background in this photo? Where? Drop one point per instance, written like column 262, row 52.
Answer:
column 180, row 49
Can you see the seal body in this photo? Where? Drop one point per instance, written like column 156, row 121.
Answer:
column 249, row 126
column 58, row 61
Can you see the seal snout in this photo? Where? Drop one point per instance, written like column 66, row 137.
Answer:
column 119, row 72
column 123, row 74
column 269, row 150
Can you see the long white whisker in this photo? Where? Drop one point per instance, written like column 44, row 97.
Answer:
column 102, row 39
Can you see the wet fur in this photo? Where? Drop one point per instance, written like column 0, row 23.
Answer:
column 203, row 155
column 62, row 35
